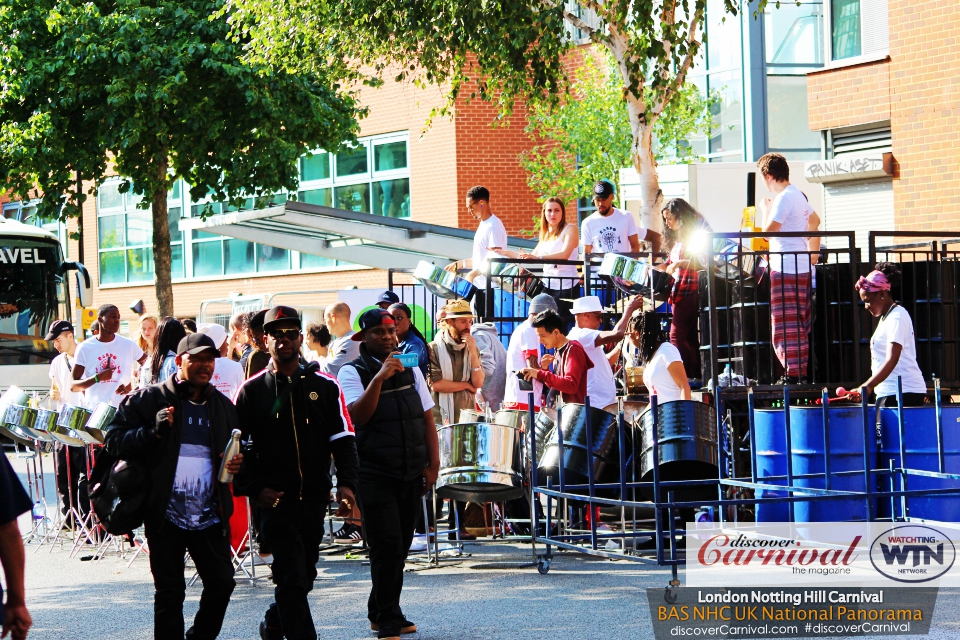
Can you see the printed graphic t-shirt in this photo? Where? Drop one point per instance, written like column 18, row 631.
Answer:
column 610, row 233
column 95, row 356
column 192, row 501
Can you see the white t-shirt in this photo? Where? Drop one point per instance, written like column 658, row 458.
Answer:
column 601, row 387
column 95, row 356
column 658, row 379
column 565, row 276
column 352, row 386
column 61, row 372
column 490, row 234
column 897, row 327
column 610, row 233
column 227, row 377
column 524, row 339
column 792, row 211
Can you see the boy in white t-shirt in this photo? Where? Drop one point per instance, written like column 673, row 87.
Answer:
column 110, row 358
column 491, row 235
column 612, row 230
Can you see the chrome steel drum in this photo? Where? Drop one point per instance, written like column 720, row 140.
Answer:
column 544, row 426
column 99, row 420
column 45, row 421
column 573, row 425
column 27, row 424
column 469, row 415
column 635, row 277
column 72, row 421
column 14, row 396
column 515, row 279
column 631, row 410
column 479, row 462
column 512, row 418
column 687, row 440
column 442, row 283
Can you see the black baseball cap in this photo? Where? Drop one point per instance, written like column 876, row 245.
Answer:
column 603, row 189
column 389, row 296
column 56, row 328
column 372, row 318
column 195, row 343
column 280, row 314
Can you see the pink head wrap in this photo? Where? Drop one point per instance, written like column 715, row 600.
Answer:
column 874, row 281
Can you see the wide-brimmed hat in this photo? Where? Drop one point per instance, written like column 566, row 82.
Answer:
column 458, row 309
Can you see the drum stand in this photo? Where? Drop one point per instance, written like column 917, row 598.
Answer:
column 36, row 488
column 72, row 519
column 88, row 525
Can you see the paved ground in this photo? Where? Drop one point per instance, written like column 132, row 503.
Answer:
column 486, row 595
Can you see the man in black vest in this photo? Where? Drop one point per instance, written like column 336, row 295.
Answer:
column 390, row 406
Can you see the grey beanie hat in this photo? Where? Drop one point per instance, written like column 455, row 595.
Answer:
column 543, row 302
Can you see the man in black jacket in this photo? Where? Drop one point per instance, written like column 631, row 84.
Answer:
column 179, row 429
column 295, row 418
column 399, row 453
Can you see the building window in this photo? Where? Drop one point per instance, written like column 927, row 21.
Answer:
column 373, row 177
column 846, row 28
column 793, row 34
column 858, row 28
column 125, row 236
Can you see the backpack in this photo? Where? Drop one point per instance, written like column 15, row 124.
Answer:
column 118, row 491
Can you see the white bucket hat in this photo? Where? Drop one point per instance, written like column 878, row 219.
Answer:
column 216, row 332
column 587, row 304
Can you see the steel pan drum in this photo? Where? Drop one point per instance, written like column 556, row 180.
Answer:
column 45, row 421
column 99, row 420
column 11, row 430
column 544, row 426
column 515, row 279
column 469, row 415
column 633, row 380
column 573, row 425
column 631, row 410
column 26, row 424
column 512, row 418
column 635, row 277
column 442, row 283
column 687, row 439
column 72, row 421
column 14, row 396
column 479, row 462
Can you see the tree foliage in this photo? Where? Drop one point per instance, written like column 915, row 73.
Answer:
column 588, row 137
column 153, row 90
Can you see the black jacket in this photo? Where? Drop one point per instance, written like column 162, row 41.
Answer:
column 127, row 438
column 392, row 443
column 294, row 426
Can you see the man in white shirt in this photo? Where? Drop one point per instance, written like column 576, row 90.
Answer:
column 110, row 358
column 344, row 349
column 588, row 314
column 71, row 480
column 490, row 236
column 612, row 230
column 227, row 374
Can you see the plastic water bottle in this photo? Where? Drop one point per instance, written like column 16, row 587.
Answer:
column 728, row 374
column 233, row 448
column 38, row 513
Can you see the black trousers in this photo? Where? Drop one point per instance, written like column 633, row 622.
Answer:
column 210, row 550
column 389, row 515
column 294, row 530
column 75, row 482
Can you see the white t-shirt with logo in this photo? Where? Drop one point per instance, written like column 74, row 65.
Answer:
column 61, row 372
column 791, row 209
column 897, row 327
column 490, row 234
column 523, row 340
column 657, row 377
column 95, row 356
column 609, row 233
column 227, row 377
column 601, row 387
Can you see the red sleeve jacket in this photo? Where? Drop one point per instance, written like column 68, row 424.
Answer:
column 570, row 379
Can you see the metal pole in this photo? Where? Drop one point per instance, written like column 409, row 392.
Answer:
column 751, row 404
column 590, row 478
column 825, row 399
column 532, row 457
column 868, row 433
column 655, row 411
column 939, row 408
column 789, row 440
column 559, row 431
column 721, row 453
column 903, row 445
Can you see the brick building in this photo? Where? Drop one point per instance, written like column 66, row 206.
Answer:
column 891, row 85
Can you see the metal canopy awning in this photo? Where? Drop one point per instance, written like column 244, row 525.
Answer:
column 360, row 238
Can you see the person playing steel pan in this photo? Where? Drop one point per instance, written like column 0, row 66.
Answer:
column 570, row 361
column 391, row 409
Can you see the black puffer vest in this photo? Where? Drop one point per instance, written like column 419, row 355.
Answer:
column 392, row 442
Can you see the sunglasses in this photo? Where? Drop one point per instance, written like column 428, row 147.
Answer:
column 289, row 334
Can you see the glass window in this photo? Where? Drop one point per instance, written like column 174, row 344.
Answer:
column 845, row 18
column 112, row 267
column 174, row 193
column 139, row 227
column 321, row 197
column 112, row 231
column 311, row 261
column 392, row 198
column 176, row 261
column 727, row 131
column 387, row 157
column 110, row 196
column 173, row 222
column 315, row 167
column 723, row 37
column 272, row 258
column 139, row 264
column 792, row 33
column 353, row 198
column 352, row 162
column 238, row 256
column 207, row 259
column 787, row 126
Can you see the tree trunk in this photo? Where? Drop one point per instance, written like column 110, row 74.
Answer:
column 643, row 162
column 161, row 244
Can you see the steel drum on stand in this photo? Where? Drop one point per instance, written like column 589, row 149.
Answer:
column 514, row 279
column 70, row 426
column 442, row 283
column 687, row 443
column 480, row 462
column 27, row 424
column 99, row 420
column 635, row 277
column 12, row 403
column 573, row 426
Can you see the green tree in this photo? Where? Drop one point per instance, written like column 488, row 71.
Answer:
column 496, row 49
column 153, row 90
column 587, row 138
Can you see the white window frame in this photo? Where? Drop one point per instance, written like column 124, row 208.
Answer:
column 881, row 53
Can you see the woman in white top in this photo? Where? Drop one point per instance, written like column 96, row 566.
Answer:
column 893, row 348
column 558, row 241
column 663, row 372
